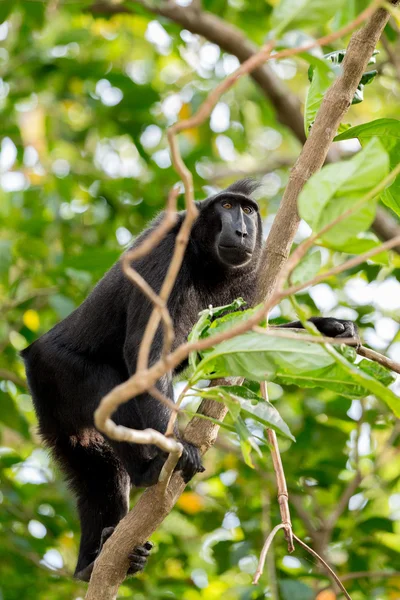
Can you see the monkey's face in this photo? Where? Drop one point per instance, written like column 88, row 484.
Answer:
column 238, row 226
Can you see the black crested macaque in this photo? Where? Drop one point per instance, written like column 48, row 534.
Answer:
column 75, row 364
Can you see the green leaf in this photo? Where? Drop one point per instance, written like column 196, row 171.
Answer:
column 321, row 79
column 377, row 371
column 363, row 243
column 302, row 13
column 202, row 324
column 205, row 320
column 388, row 132
column 369, row 382
column 337, row 187
column 294, row 362
column 320, row 82
column 247, row 441
column 251, row 405
column 307, row 268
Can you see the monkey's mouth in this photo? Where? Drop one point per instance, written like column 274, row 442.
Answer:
column 234, row 255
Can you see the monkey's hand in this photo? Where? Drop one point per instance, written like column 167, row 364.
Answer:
column 337, row 328
column 330, row 327
column 190, row 462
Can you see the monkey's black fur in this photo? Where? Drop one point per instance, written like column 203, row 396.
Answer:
column 81, row 359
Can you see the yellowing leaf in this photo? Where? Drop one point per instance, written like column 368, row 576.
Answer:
column 31, row 320
column 190, row 502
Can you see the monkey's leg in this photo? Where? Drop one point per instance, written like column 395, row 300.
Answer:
column 101, row 486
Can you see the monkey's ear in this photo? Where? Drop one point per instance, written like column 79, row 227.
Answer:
column 244, row 186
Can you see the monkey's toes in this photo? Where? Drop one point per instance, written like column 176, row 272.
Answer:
column 138, row 558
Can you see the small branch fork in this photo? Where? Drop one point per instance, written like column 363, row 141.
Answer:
column 286, row 524
column 156, row 502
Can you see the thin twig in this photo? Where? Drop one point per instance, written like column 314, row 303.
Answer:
column 150, row 242
column 349, row 264
column 379, row 358
column 325, row 564
column 264, row 552
column 295, row 334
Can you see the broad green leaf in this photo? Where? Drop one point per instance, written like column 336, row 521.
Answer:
column 206, row 319
column 307, row 268
column 337, row 187
column 388, row 133
column 363, row 243
column 377, row 371
column 293, row 362
column 302, row 13
column 251, row 405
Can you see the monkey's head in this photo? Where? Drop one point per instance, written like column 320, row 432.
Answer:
column 230, row 225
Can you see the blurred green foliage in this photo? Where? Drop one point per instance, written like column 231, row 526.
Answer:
column 85, row 100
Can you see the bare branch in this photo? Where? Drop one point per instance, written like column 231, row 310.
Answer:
column 379, row 358
column 348, row 264
column 160, row 310
column 325, row 564
column 295, row 333
column 264, row 552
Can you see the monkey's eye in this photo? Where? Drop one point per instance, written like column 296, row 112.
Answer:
column 227, row 205
column 248, row 210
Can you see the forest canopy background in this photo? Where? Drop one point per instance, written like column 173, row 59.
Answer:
column 86, row 96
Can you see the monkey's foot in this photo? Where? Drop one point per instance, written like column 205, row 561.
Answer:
column 138, row 558
column 190, row 462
